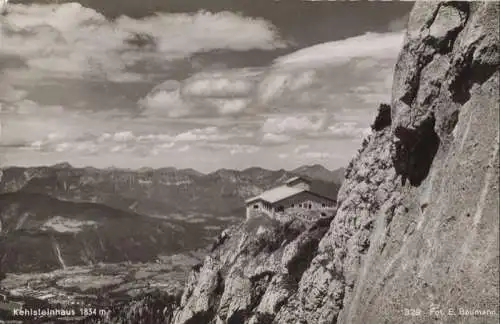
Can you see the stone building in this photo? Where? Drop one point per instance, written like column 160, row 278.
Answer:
column 295, row 194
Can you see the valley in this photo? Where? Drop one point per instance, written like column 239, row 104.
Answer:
column 77, row 236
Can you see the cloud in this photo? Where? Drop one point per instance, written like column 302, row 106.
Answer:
column 301, row 148
column 161, row 148
column 73, row 41
column 173, row 105
column 348, row 130
column 282, row 83
column 126, row 141
column 378, row 88
column 117, row 148
column 293, row 125
column 229, row 106
column 184, row 148
column 60, row 147
column 399, row 24
column 224, row 83
column 9, row 94
column 125, row 136
column 243, row 149
column 201, row 134
column 374, row 45
column 278, row 131
column 301, row 109
column 184, row 34
column 305, row 80
column 27, row 122
column 271, row 138
column 317, row 155
column 215, row 93
column 284, row 130
column 30, row 107
column 210, row 133
column 165, row 102
column 232, row 149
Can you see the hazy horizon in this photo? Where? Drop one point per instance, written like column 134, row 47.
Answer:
column 173, row 84
column 146, row 168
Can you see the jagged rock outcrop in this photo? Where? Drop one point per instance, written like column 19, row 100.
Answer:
column 417, row 224
column 253, row 271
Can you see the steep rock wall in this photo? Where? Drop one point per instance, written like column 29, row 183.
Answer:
column 417, row 225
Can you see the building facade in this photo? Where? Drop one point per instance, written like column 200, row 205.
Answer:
column 295, row 195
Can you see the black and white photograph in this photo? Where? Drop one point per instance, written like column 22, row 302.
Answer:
column 249, row 162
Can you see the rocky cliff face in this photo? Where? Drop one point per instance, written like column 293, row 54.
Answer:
column 417, row 225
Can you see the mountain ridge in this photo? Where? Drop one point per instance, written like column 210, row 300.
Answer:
column 66, row 165
column 33, row 224
column 189, row 201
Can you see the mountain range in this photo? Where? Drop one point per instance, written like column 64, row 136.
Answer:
column 58, row 216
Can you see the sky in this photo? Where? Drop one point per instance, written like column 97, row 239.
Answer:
column 194, row 83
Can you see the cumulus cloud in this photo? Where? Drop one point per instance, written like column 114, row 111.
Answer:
column 293, row 125
column 301, row 148
column 348, row 130
column 126, row 141
column 26, row 122
column 125, row 136
column 243, row 149
column 201, row 134
column 279, row 131
column 74, row 41
column 271, row 138
column 228, row 83
column 304, row 80
column 279, row 83
column 229, row 106
column 165, row 102
column 184, row 148
column 184, row 34
column 231, row 92
column 215, row 93
column 210, row 133
column 318, row 97
column 317, row 155
column 232, row 149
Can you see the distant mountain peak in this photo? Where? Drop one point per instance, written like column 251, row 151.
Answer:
column 316, row 166
column 254, row 169
column 62, row 165
column 317, row 171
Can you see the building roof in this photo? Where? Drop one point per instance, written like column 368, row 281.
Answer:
column 297, row 178
column 276, row 194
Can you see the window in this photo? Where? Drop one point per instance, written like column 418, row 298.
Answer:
column 293, row 205
column 310, row 206
column 255, row 206
column 323, row 205
column 300, row 205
